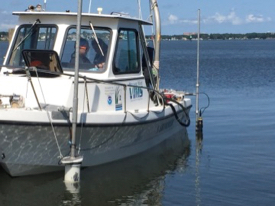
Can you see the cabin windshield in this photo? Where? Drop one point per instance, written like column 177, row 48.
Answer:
column 37, row 37
column 93, row 49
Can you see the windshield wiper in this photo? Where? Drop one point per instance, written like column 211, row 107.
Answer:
column 27, row 35
column 96, row 39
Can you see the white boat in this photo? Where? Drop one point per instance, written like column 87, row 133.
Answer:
column 121, row 110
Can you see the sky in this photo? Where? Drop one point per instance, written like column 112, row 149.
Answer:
column 177, row 16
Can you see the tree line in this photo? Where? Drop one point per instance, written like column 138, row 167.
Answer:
column 214, row 36
column 217, row 36
column 4, row 36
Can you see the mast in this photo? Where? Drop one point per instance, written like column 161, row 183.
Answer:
column 155, row 8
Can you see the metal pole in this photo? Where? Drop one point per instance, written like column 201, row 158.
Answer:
column 157, row 37
column 198, row 67
column 72, row 163
column 75, row 100
column 199, row 121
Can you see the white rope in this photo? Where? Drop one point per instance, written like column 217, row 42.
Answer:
column 27, row 89
column 48, row 115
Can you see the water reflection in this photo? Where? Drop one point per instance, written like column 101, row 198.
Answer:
column 137, row 180
column 197, row 172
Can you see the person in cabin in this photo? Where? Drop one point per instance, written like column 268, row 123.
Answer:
column 100, row 48
column 83, row 50
column 39, row 60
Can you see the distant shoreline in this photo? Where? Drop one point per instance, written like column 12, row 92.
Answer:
column 193, row 36
column 217, row 36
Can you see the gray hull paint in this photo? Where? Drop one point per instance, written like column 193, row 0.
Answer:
column 32, row 149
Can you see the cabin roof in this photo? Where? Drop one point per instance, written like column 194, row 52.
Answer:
column 62, row 14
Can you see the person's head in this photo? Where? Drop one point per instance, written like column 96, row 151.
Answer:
column 83, row 46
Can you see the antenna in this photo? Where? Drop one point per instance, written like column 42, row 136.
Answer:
column 45, row 3
column 139, row 10
column 90, row 4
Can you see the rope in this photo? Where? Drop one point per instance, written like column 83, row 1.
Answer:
column 82, row 116
column 48, row 115
column 162, row 102
column 136, row 117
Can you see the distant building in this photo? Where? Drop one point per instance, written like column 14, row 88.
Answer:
column 189, row 33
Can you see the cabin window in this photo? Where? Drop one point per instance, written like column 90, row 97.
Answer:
column 93, row 49
column 127, row 56
column 28, row 37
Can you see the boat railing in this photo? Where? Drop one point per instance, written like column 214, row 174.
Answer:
column 125, row 86
column 151, row 92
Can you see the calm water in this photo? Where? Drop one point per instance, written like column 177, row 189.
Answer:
column 234, row 166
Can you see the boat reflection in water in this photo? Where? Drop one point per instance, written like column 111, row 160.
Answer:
column 135, row 180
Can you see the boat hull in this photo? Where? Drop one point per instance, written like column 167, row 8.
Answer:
column 28, row 149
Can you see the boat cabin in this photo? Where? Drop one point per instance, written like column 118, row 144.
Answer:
column 111, row 46
column 112, row 51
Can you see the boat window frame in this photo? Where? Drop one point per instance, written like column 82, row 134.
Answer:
column 15, row 37
column 85, row 27
column 137, row 50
